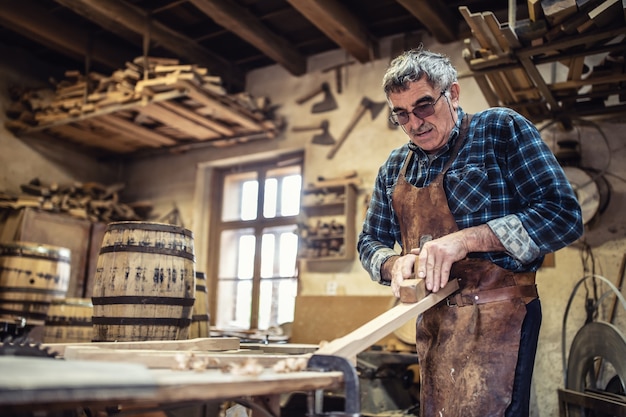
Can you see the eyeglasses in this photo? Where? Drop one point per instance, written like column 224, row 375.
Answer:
column 422, row 111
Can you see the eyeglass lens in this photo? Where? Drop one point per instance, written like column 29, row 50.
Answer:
column 421, row 111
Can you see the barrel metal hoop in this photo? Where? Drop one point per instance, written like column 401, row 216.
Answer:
column 132, row 299
column 150, row 226
column 143, row 321
column 147, row 249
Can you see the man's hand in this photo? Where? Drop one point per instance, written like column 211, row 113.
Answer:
column 401, row 270
column 436, row 257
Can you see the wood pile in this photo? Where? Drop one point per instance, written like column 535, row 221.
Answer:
column 151, row 103
column 503, row 57
column 92, row 201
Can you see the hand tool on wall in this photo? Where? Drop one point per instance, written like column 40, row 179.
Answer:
column 328, row 102
column 365, row 105
column 324, row 138
column 350, row 345
column 338, row 76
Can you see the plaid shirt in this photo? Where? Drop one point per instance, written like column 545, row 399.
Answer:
column 504, row 176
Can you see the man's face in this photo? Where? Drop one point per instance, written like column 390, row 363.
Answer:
column 430, row 133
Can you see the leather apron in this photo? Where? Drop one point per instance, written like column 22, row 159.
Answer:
column 467, row 349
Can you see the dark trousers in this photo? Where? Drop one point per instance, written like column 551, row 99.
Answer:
column 520, row 400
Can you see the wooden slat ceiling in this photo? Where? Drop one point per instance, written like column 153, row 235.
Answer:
column 229, row 37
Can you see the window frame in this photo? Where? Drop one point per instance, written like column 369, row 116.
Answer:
column 259, row 224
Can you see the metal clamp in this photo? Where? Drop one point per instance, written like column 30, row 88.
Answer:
column 327, row 363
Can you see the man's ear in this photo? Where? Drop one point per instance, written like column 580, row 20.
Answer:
column 453, row 94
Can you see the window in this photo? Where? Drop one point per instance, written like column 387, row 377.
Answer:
column 258, row 244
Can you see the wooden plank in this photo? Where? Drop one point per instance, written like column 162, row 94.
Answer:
column 487, row 90
column 535, row 12
column 203, row 343
column 556, row 11
column 126, row 128
column 340, row 315
column 202, row 120
column 171, row 359
column 474, row 22
column 360, row 339
column 177, row 121
column 494, row 27
column 217, row 108
column 82, row 134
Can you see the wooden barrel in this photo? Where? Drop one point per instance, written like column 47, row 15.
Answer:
column 69, row 321
column 31, row 276
column 144, row 283
column 200, row 318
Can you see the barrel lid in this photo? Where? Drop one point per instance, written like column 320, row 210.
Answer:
column 21, row 248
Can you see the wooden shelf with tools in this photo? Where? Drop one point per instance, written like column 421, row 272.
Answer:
column 505, row 59
column 328, row 233
column 152, row 103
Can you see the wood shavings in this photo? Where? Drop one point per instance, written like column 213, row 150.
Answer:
column 190, row 362
column 290, row 365
column 250, row 367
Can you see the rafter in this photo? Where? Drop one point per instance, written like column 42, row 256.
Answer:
column 242, row 23
column 344, row 28
column 123, row 19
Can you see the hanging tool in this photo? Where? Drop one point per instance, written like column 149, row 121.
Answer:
column 338, row 76
column 328, row 102
column 366, row 105
column 324, row 138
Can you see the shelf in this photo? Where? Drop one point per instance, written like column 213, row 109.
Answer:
column 328, row 232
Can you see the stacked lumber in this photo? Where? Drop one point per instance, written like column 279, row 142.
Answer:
column 504, row 56
column 151, row 103
column 92, row 201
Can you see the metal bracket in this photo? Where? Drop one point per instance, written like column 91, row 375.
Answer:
column 327, row 363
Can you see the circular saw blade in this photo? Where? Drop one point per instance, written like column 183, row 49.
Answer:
column 593, row 341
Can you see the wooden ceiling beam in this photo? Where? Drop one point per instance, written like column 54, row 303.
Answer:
column 122, row 18
column 35, row 22
column 436, row 18
column 249, row 28
column 340, row 25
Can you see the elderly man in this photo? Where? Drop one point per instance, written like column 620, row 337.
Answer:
column 480, row 198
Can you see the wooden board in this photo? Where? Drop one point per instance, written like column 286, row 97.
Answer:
column 363, row 337
column 29, row 380
column 29, row 383
column 200, row 344
column 320, row 318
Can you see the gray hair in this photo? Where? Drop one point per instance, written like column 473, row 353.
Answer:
column 414, row 64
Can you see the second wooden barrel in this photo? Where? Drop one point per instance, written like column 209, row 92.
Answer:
column 200, row 319
column 144, row 284
column 31, row 276
column 69, row 321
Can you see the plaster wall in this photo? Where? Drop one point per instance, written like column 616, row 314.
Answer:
column 26, row 158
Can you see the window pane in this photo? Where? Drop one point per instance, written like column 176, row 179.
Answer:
column 237, row 201
column 290, row 195
column 237, row 249
column 278, row 276
column 249, row 200
column 269, row 205
column 233, row 304
column 267, row 255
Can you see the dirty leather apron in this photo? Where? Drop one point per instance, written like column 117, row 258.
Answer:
column 467, row 345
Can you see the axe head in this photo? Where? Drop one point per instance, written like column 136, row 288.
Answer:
column 328, row 103
column 374, row 107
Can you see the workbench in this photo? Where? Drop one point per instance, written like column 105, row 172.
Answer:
column 136, row 379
